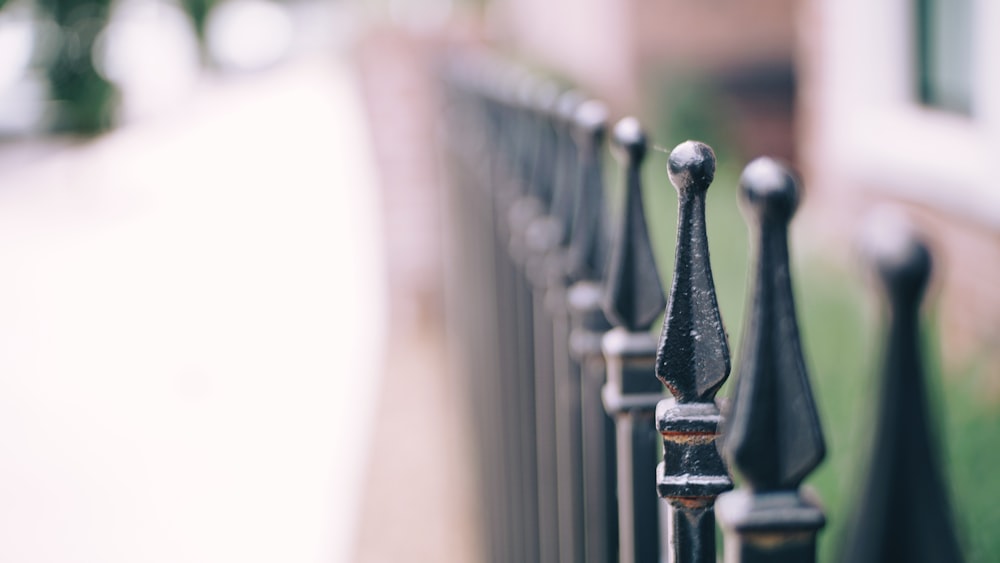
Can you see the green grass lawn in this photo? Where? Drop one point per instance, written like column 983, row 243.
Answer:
column 840, row 334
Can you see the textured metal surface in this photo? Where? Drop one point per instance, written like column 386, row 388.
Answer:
column 692, row 360
column 693, row 357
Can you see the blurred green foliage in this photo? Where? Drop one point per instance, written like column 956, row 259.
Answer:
column 84, row 101
column 198, row 12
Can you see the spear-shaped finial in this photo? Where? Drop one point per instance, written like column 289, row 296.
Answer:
column 634, row 295
column 692, row 359
column 773, row 437
column 693, row 356
column 585, row 259
column 904, row 514
column 633, row 299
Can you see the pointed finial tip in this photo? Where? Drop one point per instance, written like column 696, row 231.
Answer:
column 630, row 138
column 896, row 249
column 769, row 189
column 691, row 166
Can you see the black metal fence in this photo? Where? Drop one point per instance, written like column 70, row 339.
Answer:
column 583, row 456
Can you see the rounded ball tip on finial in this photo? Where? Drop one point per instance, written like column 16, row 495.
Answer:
column 486, row 73
column 691, row 166
column 545, row 96
column 591, row 115
column 896, row 250
column 769, row 189
column 567, row 104
column 527, row 86
column 630, row 138
column 590, row 123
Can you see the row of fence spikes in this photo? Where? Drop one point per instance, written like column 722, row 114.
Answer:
column 771, row 435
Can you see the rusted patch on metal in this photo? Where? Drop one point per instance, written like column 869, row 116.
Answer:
column 774, row 540
column 693, row 503
column 692, row 438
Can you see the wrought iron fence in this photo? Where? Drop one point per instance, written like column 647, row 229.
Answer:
column 583, row 456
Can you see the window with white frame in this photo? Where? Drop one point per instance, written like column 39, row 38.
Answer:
column 908, row 100
column 943, row 44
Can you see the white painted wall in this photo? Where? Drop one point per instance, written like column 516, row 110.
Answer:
column 589, row 40
column 867, row 128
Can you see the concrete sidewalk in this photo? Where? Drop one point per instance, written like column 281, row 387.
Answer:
column 191, row 327
column 420, row 497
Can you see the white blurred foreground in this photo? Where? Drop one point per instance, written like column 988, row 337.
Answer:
column 190, row 320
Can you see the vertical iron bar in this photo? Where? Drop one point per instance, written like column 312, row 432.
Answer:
column 773, row 435
column 565, row 372
column 633, row 300
column 597, row 428
column 521, row 213
column 540, row 238
column 534, row 155
column 518, row 213
column 904, row 513
column 632, row 398
column 693, row 362
column 503, row 192
column 586, row 263
column 490, row 367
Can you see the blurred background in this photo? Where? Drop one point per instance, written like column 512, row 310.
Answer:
column 222, row 330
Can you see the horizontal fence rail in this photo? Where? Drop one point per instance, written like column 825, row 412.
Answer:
column 601, row 441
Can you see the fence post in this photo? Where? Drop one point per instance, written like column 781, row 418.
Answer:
column 904, row 513
column 585, row 262
column 693, row 362
column 772, row 434
column 478, row 159
column 500, row 103
column 634, row 299
column 543, row 236
column 566, row 375
column 518, row 395
column 534, row 166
